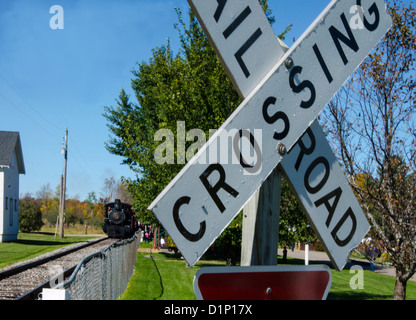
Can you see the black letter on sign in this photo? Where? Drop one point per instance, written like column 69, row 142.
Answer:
column 334, row 232
column 373, row 10
column 303, row 149
column 331, row 209
column 308, row 172
column 337, row 36
column 234, row 25
column 213, row 190
column 272, row 119
column 218, row 12
column 322, row 63
column 190, row 236
column 303, row 85
column 239, row 54
column 246, row 133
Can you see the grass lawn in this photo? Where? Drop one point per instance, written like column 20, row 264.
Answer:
column 78, row 229
column 163, row 277
column 30, row 245
column 376, row 287
column 166, row 277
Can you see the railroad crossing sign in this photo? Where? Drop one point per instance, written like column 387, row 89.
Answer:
column 207, row 194
column 325, row 194
column 263, row 283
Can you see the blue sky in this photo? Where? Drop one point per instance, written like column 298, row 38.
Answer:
column 52, row 79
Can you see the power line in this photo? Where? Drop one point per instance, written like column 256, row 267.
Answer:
column 27, row 104
column 78, row 158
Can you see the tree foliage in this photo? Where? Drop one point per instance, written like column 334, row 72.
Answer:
column 90, row 211
column 30, row 215
column 191, row 86
column 373, row 128
column 293, row 225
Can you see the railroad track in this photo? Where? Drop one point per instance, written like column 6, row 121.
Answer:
column 26, row 280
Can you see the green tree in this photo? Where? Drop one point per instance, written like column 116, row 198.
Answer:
column 191, row 86
column 293, row 224
column 228, row 244
column 30, row 215
column 91, row 201
column 49, row 204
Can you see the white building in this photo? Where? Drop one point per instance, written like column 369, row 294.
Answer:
column 11, row 165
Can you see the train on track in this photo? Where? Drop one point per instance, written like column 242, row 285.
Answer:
column 120, row 221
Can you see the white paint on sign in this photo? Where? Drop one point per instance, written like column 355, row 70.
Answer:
column 202, row 199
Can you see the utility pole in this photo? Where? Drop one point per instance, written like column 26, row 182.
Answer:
column 64, row 151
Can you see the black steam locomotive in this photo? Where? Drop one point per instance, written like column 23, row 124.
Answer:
column 119, row 221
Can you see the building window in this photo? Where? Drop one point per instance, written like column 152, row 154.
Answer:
column 15, row 204
column 7, row 203
column 11, row 212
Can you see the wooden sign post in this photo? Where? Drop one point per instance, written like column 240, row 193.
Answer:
column 261, row 224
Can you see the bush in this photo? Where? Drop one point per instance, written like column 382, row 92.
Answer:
column 30, row 215
column 228, row 244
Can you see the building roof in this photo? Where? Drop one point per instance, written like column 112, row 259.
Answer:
column 9, row 143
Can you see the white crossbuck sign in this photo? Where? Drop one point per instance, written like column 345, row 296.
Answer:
column 284, row 93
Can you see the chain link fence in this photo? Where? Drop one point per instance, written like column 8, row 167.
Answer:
column 104, row 275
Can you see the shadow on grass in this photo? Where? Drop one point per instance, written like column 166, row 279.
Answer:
column 354, row 295
column 294, row 261
column 43, row 233
column 41, row 242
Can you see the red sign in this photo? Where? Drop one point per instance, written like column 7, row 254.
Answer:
column 263, row 283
